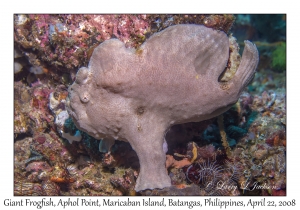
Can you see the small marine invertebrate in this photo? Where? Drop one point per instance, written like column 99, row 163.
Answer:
column 62, row 175
column 204, row 174
column 211, row 176
column 223, row 135
column 136, row 97
column 234, row 171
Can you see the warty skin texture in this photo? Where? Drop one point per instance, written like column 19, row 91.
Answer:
column 137, row 95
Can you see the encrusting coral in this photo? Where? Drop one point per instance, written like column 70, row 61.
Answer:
column 137, row 95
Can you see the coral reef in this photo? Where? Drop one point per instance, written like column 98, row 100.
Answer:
column 64, row 40
column 137, row 97
column 67, row 41
column 48, row 50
